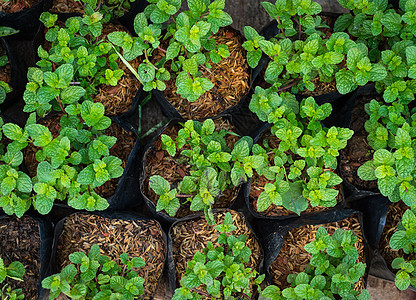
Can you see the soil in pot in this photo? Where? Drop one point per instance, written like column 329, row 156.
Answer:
column 293, row 257
column 116, row 99
column 12, row 6
column 159, row 162
column 231, row 77
column 67, row 6
column 137, row 238
column 394, row 216
column 20, row 241
column 121, row 149
column 258, row 183
column 5, row 71
column 191, row 236
column 358, row 151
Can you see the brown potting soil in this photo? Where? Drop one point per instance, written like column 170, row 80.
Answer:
column 5, row 71
column 139, row 238
column 174, row 169
column 293, row 258
column 190, row 237
column 118, row 99
column 358, row 151
column 394, row 216
column 258, row 183
column 230, row 78
column 121, row 149
column 67, row 6
column 20, row 241
column 12, row 6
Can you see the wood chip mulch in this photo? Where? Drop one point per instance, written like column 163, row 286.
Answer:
column 20, row 241
column 258, row 183
column 230, row 76
column 358, row 151
column 192, row 236
column 13, row 6
column 67, row 6
column 174, row 169
column 138, row 238
column 394, row 216
column 293, row 258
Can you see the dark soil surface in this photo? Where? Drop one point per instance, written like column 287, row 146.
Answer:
column 357, row 151
column 20, row 241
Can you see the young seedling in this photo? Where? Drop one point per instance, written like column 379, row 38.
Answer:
column 403, row 239
column 15, row 271
column 96, row 276
column 301, row 52
column 220, row 272
column 300, row 170
column 331, row 274
column 391, row 135
column 214, row 167
column 190, row 44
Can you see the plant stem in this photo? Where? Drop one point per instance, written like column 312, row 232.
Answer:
column 245, row 296
column 200, row 292
column 300, row 29
column 280, row 23
column 60, row 105
column 288, row 86
column 183, row 196
column 163, row 50
column 147, row 58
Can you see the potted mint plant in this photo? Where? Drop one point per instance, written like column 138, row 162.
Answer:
column 230, row 246
column 208, row 164
column 300, row 155
column 186, row 59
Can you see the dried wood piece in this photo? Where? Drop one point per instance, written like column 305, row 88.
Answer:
column 20, row 241
column 192, row 236
column 138, row 238
column 293, row 258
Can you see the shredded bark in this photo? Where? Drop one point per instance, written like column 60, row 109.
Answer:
column 67, row 6
column 13, row 6
column 293, row 258
column 139, row 238
column 20, row 241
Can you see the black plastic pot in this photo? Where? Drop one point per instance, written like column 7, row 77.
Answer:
column 271, row 232
column 46, row 239
column 120, row 215
column 171, row 261
column 161, row 216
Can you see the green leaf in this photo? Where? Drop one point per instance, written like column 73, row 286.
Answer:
column 159, row 185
